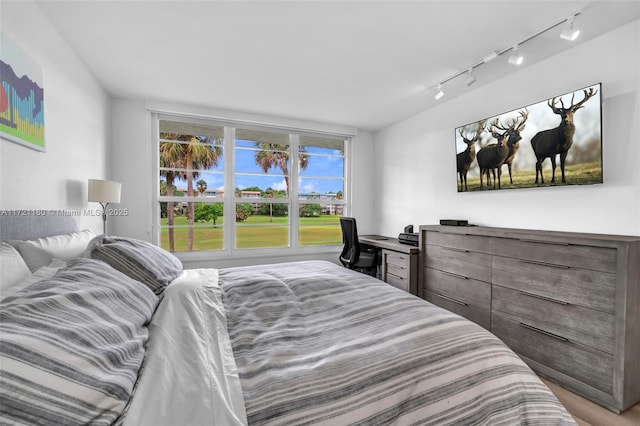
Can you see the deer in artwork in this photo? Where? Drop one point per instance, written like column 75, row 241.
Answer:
column 466, row 157
column 551, row 142
column 513, row 142
column 493, row 156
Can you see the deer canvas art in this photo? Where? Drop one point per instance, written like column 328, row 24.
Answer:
column 566, row 130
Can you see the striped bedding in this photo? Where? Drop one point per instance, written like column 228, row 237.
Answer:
column 71, row 346
column 315, row 343
column 286, row 344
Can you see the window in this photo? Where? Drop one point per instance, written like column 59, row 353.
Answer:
column 262, row 180
column 321, row 192
column 191, row 185
column 232, row 188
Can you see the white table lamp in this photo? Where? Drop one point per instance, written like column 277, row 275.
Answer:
column 104, row 192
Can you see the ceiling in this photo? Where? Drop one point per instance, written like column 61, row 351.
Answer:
column 364, row 64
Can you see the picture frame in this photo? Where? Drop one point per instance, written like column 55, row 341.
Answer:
column 21, row 97
column 555, row 142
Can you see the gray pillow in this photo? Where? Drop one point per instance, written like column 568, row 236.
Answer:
column 137, row 259
column 71, row 346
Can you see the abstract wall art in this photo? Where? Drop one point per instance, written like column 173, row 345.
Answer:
column 21, row 97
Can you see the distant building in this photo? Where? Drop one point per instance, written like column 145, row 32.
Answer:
column 325, row 200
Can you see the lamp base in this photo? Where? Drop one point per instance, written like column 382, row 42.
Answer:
column 104, row 217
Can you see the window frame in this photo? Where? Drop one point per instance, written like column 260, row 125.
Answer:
column 229, row 198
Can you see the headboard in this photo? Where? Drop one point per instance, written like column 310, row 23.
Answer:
column 29, row 226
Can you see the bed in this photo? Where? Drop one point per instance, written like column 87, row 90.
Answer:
column 121, row 334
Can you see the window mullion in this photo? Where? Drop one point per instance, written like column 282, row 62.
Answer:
column 348, row 166
column 229, row 190
column 155, row 182
column 294, row 213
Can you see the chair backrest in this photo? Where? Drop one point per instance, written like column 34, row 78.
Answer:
column 351, row 250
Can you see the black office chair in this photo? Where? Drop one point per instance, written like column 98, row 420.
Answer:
column 352, row 256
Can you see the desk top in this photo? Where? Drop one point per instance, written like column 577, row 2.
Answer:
column 389, row 243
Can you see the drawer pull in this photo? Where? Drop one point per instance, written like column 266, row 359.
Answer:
column 525, row 240
column 451, row 299
column 541, row 331
column 548, row 299
column 553, row 265
column 396, row 276
column 455, row 275
column 456, row 249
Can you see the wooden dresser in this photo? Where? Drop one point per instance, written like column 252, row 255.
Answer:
column 567, row 303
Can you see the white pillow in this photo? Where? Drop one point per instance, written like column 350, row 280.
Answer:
column 38, row 253
column 13, row 269
column 43, row 273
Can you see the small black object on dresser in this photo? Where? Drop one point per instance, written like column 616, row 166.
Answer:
column 454, row 222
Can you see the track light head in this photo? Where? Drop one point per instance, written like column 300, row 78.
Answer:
column 570, row 33
column 516, row 58
column 439, row 94
column 490, row 57
column 470, row 77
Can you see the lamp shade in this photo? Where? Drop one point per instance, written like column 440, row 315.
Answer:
column 104, row 191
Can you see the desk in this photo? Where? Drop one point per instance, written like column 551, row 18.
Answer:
column 399, row 262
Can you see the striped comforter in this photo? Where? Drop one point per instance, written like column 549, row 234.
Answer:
column 317, row 343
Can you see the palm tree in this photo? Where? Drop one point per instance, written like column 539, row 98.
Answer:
column 270, row 193
column 277, row 155
column 202, row 186
column 170, row 157
column 201, row 153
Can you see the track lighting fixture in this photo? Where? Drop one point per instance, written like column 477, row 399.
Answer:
column 570, row 33
column 490, row 57
column 516, row 58
column 470, row 77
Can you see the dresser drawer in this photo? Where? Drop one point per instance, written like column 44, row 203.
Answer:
column 398, row 271
column 459, row 241
column 399, row 282
column 588, row 288
column 397, row 259
column 394, row 263
column 595, row 258
column 466, row 297
column 470, row 291
column 471, row 312
column 465, row 264
column 395, row 266
column 589, row 327
column 588, row 365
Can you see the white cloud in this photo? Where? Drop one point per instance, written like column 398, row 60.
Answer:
column 282, row 185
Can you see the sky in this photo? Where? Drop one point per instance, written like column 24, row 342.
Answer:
column 323, row 174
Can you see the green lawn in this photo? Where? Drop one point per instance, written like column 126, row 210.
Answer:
column 575, row 174
column 256, row 231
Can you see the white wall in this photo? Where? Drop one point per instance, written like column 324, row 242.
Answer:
column 77, row 125
column 134, row 160
column 416, row 182
column 132, row 165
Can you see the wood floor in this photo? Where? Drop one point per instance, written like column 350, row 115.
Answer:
column 586, row 413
